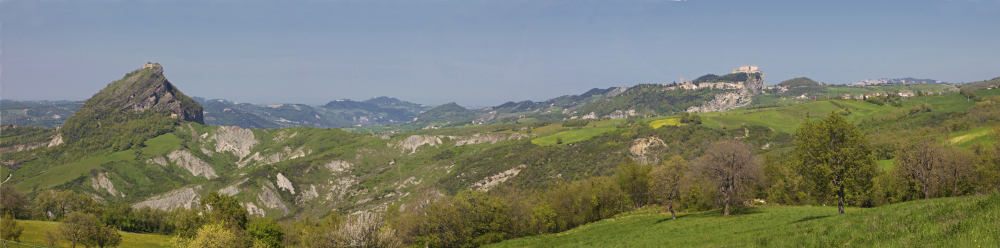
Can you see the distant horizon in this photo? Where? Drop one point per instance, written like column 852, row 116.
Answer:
column 467, row 106
column 480, row 52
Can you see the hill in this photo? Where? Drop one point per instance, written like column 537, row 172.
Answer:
column 37, row 113
column 447, row 112
column 799, row 82
column 968, row 221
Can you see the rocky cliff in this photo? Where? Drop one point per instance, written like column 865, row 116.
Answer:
column 734, row 99
column 147, row 89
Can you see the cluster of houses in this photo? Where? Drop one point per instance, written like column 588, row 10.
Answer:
column 866, row 96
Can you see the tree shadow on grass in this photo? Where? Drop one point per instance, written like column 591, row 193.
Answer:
column 808, row 218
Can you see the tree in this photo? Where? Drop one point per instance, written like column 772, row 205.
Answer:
column 835, row 155
column 365, row 230
column 226, row 209
column 76, row 227
column 266, row 231
column 218, row 235
column 633, row 178
column 9, row 229
column 732, row 167
column 957, row 167
column 665, row 181
column 922, row 159
column 12, row 201
column 102, row 236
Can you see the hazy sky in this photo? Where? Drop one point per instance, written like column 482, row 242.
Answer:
column 480, row 52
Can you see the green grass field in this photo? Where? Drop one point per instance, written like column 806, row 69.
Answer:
column 572, row 135
column 887, row 164
column 61, row 174
column 966, row 138
column 985, row 93
column 34, row 234
column 971, row 221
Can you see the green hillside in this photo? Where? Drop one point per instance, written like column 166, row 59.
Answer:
column 969, row 221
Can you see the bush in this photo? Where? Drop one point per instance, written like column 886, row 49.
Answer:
column 9, row 229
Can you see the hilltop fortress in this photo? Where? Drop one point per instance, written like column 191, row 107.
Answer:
column 753, row 85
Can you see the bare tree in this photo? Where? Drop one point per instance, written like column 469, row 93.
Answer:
column 957, row 166
column 922, row 159
column 665, row 181
column 365, row 230
column 732, row 167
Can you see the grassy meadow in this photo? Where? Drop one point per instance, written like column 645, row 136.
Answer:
column 34, row 234
column 969, row 221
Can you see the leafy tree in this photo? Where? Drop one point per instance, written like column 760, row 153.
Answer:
column 12, row 201
column 76, row 227
column 267, row 232
column 9, row 229
column 732, row 168
column 217, row 235
column 102, row 236
column 665, row 181
column 836, row 156
column 633, row 178
column 225, row 209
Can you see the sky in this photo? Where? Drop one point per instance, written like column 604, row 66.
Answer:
column 476, row 52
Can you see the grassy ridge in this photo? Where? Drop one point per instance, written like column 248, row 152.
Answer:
column 34, row 234
column 970, row 221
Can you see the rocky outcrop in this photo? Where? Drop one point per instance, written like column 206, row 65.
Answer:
column 309, row 194
column 254, row 210
column 102, row 182
column 723, row 102
column 642, row 148
column 24, row 147
column 237, row 140
column 232, row 190
column 185, row 160
column 338, row 166
column 616, row 92
column 57, row 140
column 339, row 188
column 158, row 160
column 618, row 114
column 269, row 199
column 491, row 138
column 274, row 158
column 735, row 99
column 590, row 115
column 415, row 141
column 492, row 181
column 486, row 117
column 179, row 198
column 285, row 184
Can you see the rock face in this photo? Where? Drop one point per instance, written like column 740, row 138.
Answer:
column 492, row 181
column 234, row 139
column 616, row 92
column 642, row 148
column 735, row 99
column 284, row 184
column 338, row 166
column 102, row 182
column 268, row 198
column 147, row 89
column 618, row 114
column 415, row 141
column 58, row 140
column 491, row 138
column 24, row 147
column 185, row 160
column 179, row 198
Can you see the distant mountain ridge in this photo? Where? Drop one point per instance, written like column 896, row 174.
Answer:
column 896, row 81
